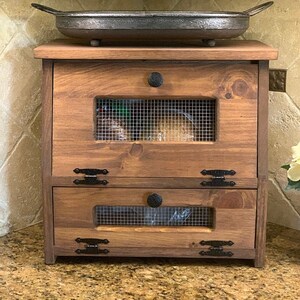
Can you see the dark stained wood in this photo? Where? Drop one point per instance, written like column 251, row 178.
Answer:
column 262, row 167
column 47, row 96
column 225, row 50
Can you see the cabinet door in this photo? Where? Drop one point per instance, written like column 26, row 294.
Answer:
column 108, row 116
column 183, row 220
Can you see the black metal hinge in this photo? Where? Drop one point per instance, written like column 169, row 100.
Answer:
column 92, row 246
column 218, row 177
column 216, row 248
column 90, row 177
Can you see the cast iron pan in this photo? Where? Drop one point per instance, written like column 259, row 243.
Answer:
column 152, row 25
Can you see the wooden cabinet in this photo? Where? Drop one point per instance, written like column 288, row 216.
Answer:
column 149, row 154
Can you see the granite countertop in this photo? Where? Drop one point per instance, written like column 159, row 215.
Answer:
column 23, row 274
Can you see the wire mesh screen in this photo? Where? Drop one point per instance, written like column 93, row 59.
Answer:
column 155, row 120
column 147, row 216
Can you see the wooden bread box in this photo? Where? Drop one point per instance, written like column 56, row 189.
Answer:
column 155, row 151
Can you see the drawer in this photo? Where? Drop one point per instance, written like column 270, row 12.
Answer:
column 213, row 107
column 126, row 220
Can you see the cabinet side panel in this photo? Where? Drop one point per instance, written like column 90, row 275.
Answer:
column 262, row 167
column 47, row 97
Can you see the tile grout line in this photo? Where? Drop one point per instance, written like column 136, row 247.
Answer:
column 35, row 114
column 174, row 5
column 284, row 195
column 80, row 4
column 9, row 154
column 292, row 101
column 13, row 35
column 34, row 220
column 217, row 4
column 12, row 151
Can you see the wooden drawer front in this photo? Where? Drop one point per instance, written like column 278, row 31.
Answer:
column 130, row 79
column 234, row 218
column 77, row 84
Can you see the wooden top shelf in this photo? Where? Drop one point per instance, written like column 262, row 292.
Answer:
column 224, row 50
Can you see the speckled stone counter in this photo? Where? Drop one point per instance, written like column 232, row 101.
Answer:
column 23, row 274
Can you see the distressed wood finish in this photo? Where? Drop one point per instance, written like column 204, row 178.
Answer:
column 225, row 50
column 47, row 96
column 235, row 147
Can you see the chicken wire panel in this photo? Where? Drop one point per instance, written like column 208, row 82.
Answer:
column 155, row 120
column 148, row 216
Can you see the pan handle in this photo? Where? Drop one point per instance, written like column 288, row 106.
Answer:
column 45, row 8
column 257, row 9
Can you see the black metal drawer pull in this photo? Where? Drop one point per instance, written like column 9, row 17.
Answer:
column 216, row 243
column 90, row 177
column 218, row 177
column 90, row 181
column 216, row 248
column 91, row 171
column 92, row 241
column 216, row 252
column 92, row 246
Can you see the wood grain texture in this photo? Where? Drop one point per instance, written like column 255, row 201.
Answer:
column 155, row 160
column 235, row 147
column 69, row 200
column 47, row 96
column 263, row 117
column 225, row 50
column 157, row 252
column 235, row 213
column 262, row 168
column 181, row 79
column 243, row 239
column 159, row 183
column 261, row 221
column 237, row 70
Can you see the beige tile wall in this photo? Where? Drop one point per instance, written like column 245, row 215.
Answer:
column 22, row 28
